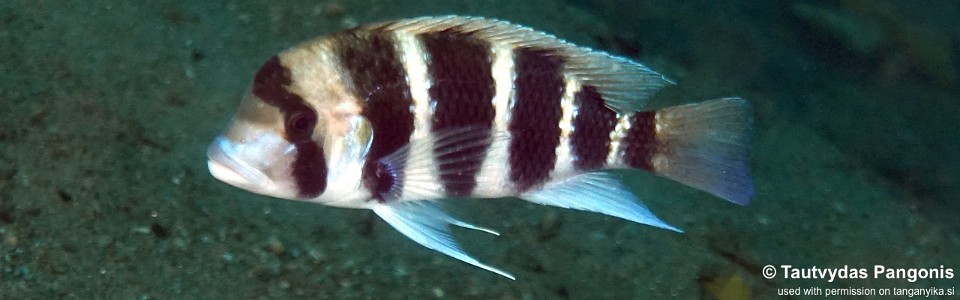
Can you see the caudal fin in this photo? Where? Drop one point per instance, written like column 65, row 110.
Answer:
column 707, row 146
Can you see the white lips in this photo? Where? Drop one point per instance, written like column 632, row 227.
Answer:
column 224, row 166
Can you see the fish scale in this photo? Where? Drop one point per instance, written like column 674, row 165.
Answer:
column 590, row 141
column 461, row 93
column 535, row 126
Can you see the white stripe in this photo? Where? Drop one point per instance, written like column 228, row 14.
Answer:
column 503, row 74
column 417, row 183
column 492, row 180
column 615, row 157
column 564, row 165
column 414, row 61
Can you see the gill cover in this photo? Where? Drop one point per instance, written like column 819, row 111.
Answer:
column 346, row 156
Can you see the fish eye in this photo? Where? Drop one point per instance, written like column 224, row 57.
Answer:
column 299, row 125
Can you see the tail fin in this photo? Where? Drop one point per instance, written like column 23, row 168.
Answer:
column 707, row 146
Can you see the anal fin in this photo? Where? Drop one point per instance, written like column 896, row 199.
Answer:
column 598, row 192
column 425, row 223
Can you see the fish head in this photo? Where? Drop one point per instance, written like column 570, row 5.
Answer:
column 288, row 141
column 253, row 153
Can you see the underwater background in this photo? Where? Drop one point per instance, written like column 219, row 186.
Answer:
column 108, row 106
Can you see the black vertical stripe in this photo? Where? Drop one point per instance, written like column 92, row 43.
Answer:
column 461, row 93
column 309, row 169
column 640, row 144
column 592, row 124
column 374, row 67
column 534, row 123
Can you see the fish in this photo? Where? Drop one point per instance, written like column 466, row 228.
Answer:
column 401, row 116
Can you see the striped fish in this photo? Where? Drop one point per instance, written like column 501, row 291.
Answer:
column 394, row 116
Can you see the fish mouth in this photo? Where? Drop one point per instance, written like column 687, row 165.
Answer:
column 224, row 165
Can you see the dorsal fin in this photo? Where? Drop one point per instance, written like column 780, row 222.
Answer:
column 624, row 84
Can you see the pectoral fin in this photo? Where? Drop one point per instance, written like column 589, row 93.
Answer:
column 427, row 168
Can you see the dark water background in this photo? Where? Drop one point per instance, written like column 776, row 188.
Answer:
column 107, row 107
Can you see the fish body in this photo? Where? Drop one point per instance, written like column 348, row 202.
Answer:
column 397, row 115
